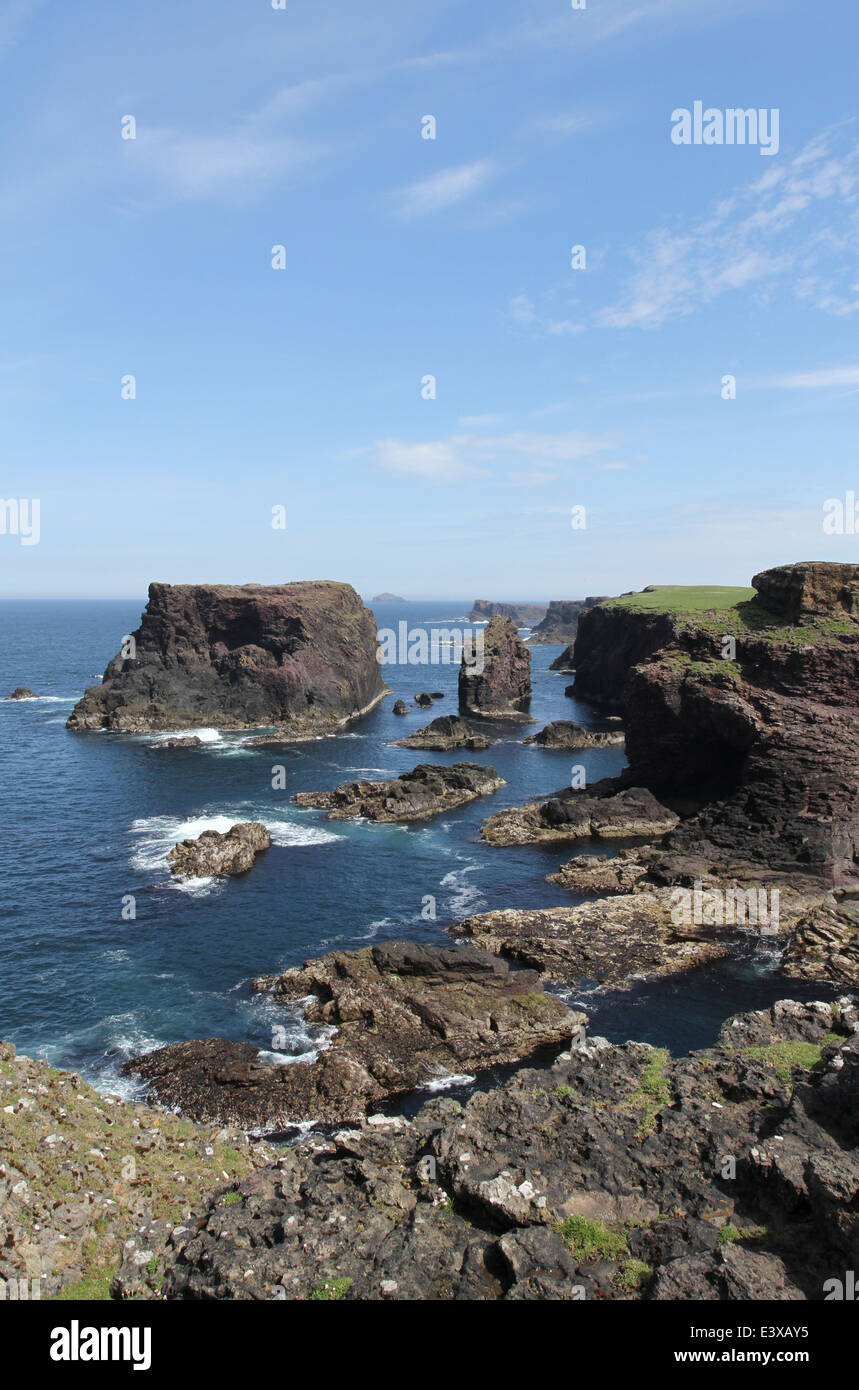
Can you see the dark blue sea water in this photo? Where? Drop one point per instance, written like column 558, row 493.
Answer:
column 89, row 818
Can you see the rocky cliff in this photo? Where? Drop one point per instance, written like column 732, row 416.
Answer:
column 502, row 689
column 299, row 656
column 562, row 620
column 748, row 711
column 522, row 613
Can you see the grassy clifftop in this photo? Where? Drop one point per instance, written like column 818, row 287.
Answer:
column 682, row 599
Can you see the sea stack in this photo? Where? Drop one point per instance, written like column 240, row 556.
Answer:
column 496, row 683
column 300, row 657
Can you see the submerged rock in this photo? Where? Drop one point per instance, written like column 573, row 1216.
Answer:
column 405, row 1015
column 186, row 741
column 563, row 733
column 424, row 700
column 300, row 656
column 578, row 815
column 214, row 854
column 619, row 1172
column 425, row 791
column 502, row 689
column 445, row 733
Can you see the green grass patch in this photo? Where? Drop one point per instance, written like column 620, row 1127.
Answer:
column 635, row 1274
column 684, row 598
column 591, row 1241
column 652, row 1093
column 784, row 1056
column 331, row 1289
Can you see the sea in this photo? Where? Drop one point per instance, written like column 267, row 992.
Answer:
column 104, row 955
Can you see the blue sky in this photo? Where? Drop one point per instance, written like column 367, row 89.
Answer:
column 556, row 388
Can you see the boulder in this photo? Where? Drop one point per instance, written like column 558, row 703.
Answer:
column 214, row 854
column 22, row 692
column 400, row 707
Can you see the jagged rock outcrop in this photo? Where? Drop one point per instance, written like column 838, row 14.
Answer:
column 445, row 733
column 405, row 1015
column 605, row 1176
column 563, row 733
column 562, row 620
column 762, row 743
column 186, row 741
column 219, row 855
column 564, row 662
column 425, row 791
column 498, row 684
column 22, row 692
column 400, row 707
column 523, row 614
column 601, row 813
column 298, row 656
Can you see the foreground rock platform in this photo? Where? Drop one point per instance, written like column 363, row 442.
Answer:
column 617, row 1173
column 219, row 855
column 405, row 1015
column 298, row 656
column 417, row 795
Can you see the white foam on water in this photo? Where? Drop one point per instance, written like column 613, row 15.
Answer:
column 465, row 897
column 204, row 735
column 156, row 836
column 43, row 700
column 444, row 1083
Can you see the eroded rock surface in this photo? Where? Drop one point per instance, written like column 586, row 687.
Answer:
column 562, row 620
column 417, row 795
column 22, row 692
column 564, row 733
column 577, row 815
column 502, row 689
column 404, row 1015
column 445, row 733
column 217, row 854
column 619, row 1172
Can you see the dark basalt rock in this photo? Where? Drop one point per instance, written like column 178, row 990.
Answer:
column 405, row 1015
column 299, row 656
column 563, row 733
column 425, row 791
column 186, row 741
column 562, row 621
column 214, row 854
column 602, row 813
column 22, row 692
column 424, row 700
column 564, row 662
column 523, row 614
column 502, row 690
column 605, row 1176
column 400, row 707
column 443, row 734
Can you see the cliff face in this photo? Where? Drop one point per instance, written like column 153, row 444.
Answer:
column 767, row 739
column 503, row 687
column 521, row 613
column 562, row 620
column 609, row 642
column 301, row 656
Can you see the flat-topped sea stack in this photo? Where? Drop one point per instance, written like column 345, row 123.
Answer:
column 523, row 614
column 565, row 734
column 743, row 705
column 562, row 620
column 300, row 657
column 496, row 682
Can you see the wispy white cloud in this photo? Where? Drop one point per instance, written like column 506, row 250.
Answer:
column 755, row 238
column 465, row 456
column 445, row 189
column 820, row 379
column 192, row 165
column 523, row 311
